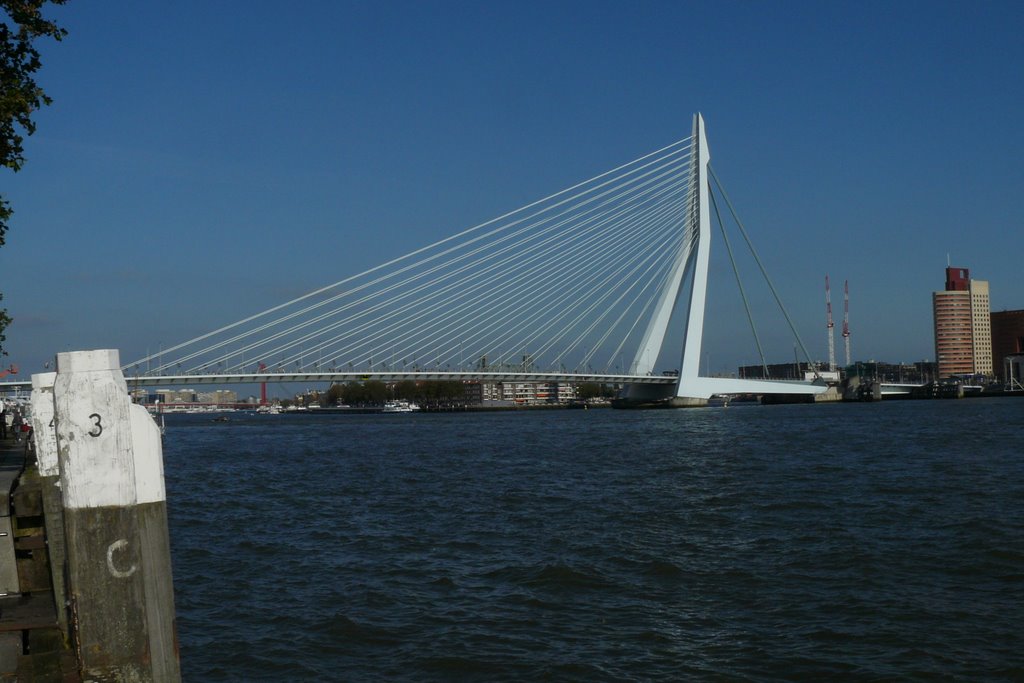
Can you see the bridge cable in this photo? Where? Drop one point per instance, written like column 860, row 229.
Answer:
column 531, row 281
column 265, row 326
column 410, row 254
column 474, row 275
column 760, row 265
column 434, row 295
column 739, row 282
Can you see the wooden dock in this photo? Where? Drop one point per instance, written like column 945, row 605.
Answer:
column 33, row 647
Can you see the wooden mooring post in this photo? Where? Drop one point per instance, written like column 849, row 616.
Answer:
column 115, row 520
column 44, row 437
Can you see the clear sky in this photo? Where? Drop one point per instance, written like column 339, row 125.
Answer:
column 205, row 160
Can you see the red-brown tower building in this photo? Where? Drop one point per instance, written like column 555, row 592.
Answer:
column 963, row 332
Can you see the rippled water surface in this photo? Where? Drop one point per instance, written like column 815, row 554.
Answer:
column 856, row 541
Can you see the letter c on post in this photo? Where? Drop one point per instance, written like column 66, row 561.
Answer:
column 120, row 544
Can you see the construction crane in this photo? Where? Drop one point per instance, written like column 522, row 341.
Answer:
column 846, row 319
column 831, row 328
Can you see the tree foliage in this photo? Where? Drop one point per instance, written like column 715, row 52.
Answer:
column 375, row 392
column 21, row 24
column 591, row 390
column 4, row 321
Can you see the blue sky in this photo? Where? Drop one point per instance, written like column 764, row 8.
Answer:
column 205, row 160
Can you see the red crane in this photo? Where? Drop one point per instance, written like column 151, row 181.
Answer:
column 263, row 386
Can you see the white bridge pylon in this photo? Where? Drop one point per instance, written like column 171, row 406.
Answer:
column 692, row 260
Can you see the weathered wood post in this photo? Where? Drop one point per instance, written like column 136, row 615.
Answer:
column 43, row 433
column 44, row 437
column 115, row 519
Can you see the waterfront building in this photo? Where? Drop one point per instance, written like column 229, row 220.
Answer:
column 218, row 397
column 963, row 328
column 519, row 392
column 491, row 391
column 528, row 393
column 1007, row 339
column 472, row 393
column 545, row 392
column 142, row 396
column 169, row 396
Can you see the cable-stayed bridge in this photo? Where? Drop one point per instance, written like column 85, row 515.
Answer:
column 582, row 285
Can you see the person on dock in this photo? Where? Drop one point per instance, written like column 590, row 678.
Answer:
column 16, row 424
column 3, row 419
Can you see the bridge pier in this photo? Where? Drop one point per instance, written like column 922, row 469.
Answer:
column 655, row 396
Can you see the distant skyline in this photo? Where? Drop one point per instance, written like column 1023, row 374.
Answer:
column 204, row 161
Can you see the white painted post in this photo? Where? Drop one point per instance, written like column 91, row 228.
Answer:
column 44, row 437
column 115, row 515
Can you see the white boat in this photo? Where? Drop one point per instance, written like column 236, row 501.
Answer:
column 400, row 407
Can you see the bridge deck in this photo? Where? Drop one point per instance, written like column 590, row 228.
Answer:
column 258, row 378
column 720, row 385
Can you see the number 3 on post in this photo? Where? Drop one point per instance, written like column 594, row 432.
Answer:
column 97, row 428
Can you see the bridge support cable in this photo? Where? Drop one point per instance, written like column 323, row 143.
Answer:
column 437, row 322
column 537, row 306
column 323, row 290
column 581, row 316
column 760, row 265
column 564, row 303
column 581, row 285
column 642, row 316
column 739, row 283
column 664, row 270
column 535, row 254
column 564, row 279
column 250, row 349
column 624, row 169
column 579, row 340
column 509, row 298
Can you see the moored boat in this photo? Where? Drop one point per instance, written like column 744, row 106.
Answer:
column 400, row 407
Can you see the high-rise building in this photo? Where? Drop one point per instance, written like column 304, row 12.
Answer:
column 981, row 326
column 963, row 327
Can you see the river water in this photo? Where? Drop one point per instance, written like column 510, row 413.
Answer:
column 855, row 541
